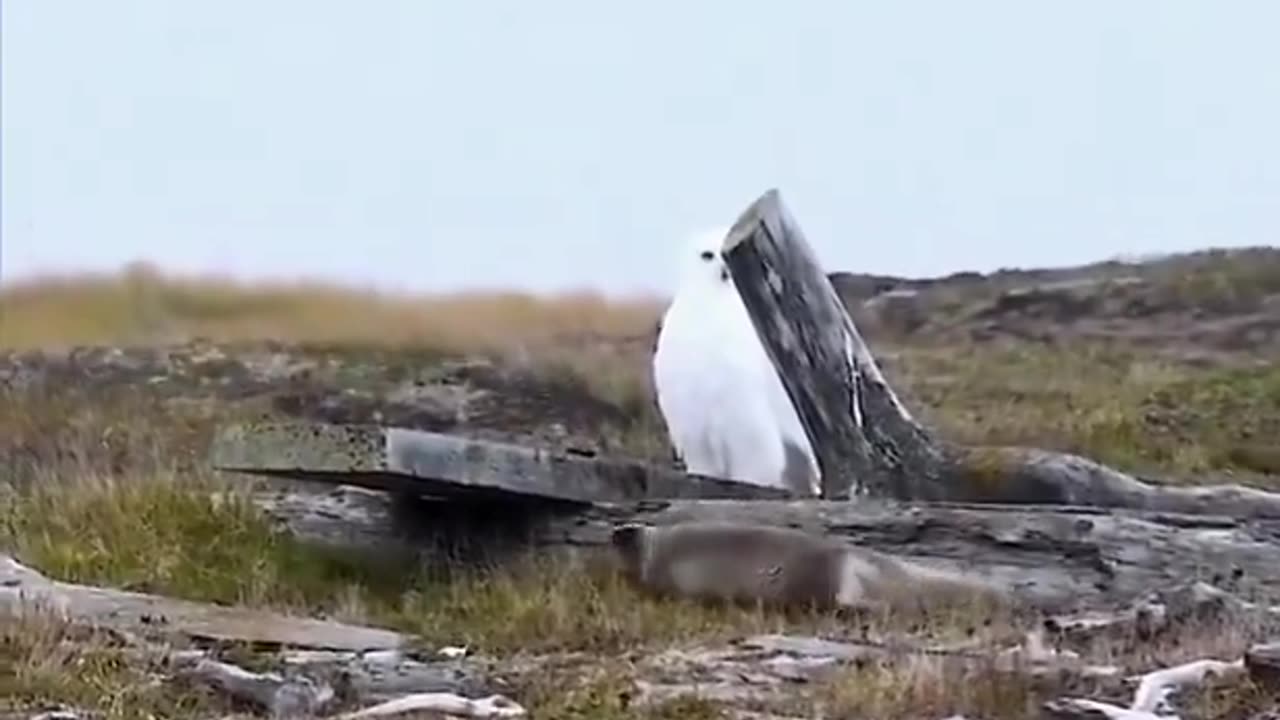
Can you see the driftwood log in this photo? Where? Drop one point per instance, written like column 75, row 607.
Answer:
column 866, row 440
column 24, row 591
column 314, row 684
column 1056, row 558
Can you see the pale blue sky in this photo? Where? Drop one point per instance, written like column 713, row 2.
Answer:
column 431, row 145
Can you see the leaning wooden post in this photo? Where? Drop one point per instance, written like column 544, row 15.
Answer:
column 865, row 440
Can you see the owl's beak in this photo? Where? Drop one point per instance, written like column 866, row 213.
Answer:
column 724, row 274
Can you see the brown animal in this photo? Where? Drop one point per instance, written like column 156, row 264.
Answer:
column 778, row 566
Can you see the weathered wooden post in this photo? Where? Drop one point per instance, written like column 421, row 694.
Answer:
column 865, row 440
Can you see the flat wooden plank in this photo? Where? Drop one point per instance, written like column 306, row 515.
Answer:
column 441, row 465
column 24, row 590
column 864, row 438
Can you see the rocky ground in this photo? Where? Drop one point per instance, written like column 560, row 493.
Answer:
column 1163, row 369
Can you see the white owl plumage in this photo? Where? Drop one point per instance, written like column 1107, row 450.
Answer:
column 726, row 410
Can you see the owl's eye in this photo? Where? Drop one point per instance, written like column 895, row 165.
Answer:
column 708, row 255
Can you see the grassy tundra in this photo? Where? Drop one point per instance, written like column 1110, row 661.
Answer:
column 102, row 479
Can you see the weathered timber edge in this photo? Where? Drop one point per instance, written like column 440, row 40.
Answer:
column 23, row 590
column 1018, row 475
column 1055, row 556
column 449, row 466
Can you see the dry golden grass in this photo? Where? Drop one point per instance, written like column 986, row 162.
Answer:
column 45, row 663
column 142, row 306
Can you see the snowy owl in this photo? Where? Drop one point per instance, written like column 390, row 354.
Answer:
column 726, row 410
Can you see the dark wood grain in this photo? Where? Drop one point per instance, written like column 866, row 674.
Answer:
column 866, row 441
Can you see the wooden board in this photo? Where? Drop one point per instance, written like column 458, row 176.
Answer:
column 25, row 591
column 449, row 466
